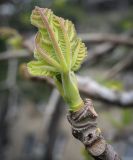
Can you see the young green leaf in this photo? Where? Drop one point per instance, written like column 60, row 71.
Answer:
column 58, row 39
column 58, row 52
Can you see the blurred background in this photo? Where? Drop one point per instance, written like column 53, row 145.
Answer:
column 33, row 123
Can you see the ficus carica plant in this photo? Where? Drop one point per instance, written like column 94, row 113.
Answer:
column 58, row 53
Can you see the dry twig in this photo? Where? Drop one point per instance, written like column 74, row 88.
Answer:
column 106, row 37
column 98, row 51
column 13, row 54
column 120, row 66
column 92, row 89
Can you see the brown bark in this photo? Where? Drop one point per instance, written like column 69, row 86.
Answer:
column 84, row 128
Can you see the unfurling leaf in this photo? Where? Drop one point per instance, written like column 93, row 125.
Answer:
column 58, row 53
column 37, row 68
column 56, row 45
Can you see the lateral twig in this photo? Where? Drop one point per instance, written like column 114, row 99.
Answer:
column 106, row 37
column 120, row 66
column 91, row 88
column 14, row 54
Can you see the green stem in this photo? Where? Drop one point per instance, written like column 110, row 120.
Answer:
column 71, row 92
column 59, row 86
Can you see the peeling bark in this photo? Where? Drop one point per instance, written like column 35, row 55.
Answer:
column 84, row 128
